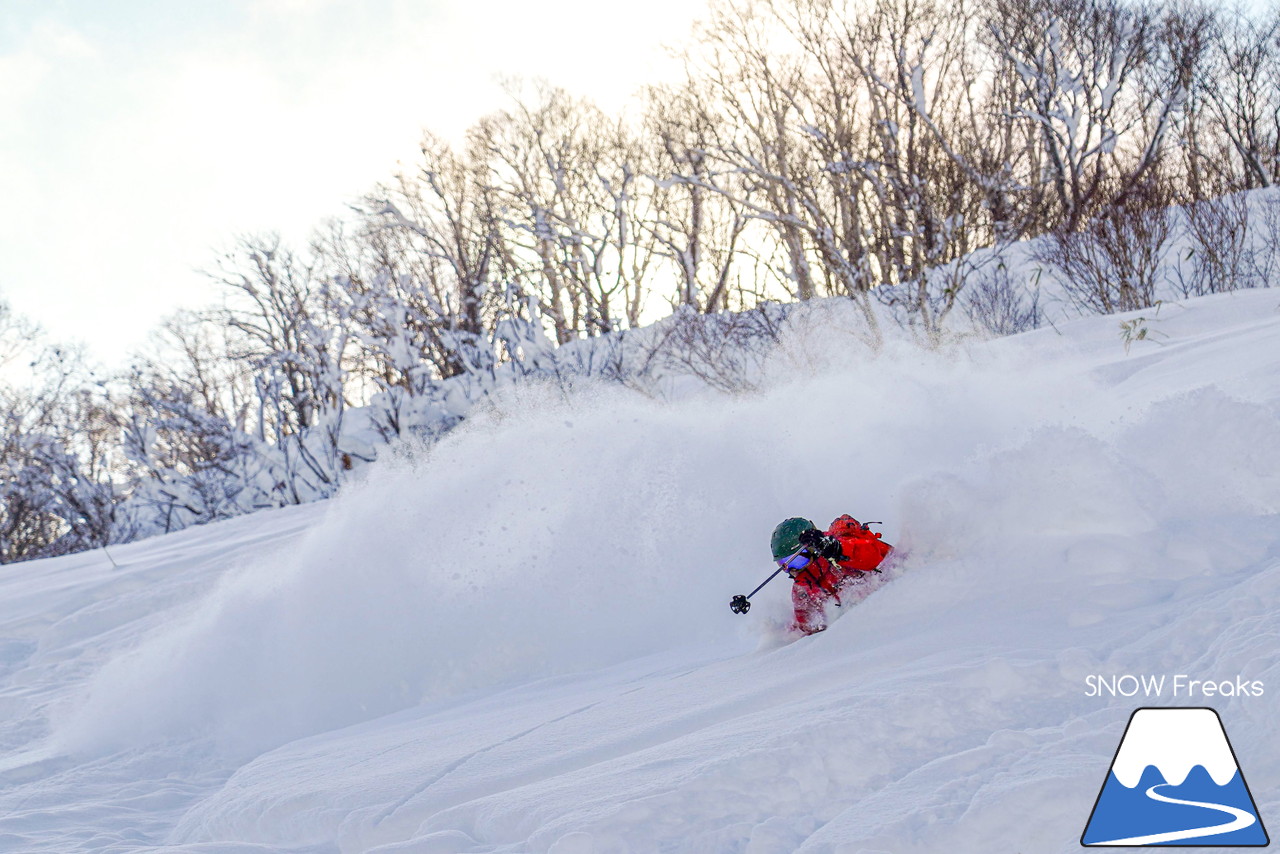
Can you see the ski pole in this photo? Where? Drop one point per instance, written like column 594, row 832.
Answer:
column 740, row 605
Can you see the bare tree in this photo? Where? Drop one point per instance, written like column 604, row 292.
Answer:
column 569, row 180
column 184, row 427
column 1101, row 82
column 433, row 241
column 754, row 76
column 282, row 306
column 699, row 231
column 57, row 460
column 1240, row 90
column 930, row 201
column 848, row 129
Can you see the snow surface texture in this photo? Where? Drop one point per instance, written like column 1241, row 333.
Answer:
column 523, row 642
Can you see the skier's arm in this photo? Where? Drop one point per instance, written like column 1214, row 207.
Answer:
column 823, row 545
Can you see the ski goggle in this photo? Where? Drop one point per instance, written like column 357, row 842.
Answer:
column 796, row 561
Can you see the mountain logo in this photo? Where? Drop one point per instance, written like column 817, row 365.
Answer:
column 1175, row 781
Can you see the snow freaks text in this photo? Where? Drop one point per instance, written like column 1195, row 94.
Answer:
column 1179, row 685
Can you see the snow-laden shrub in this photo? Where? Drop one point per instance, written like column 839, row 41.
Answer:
column 1117, row 260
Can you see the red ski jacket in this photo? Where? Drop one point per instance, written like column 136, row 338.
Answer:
column 863, row 552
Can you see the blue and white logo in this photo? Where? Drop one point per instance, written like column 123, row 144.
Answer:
column 1175, row 781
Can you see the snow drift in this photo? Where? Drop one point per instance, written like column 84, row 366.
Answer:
column 552, row 536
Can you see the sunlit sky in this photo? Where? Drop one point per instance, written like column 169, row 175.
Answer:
column 139, row 136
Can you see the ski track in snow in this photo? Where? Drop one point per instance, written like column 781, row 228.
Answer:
column 441, row 660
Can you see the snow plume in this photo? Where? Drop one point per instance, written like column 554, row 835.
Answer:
column 552, row 535
column 558, row 533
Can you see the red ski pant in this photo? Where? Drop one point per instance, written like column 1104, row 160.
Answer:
column 810, row 602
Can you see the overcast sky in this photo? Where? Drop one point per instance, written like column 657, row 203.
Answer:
column 137, row 136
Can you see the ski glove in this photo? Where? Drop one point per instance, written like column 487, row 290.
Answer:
column 830, row 549
column 821, row 544
column 810, row 538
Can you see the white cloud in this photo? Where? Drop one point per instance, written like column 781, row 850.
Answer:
column 128, row 166
column 26, row 71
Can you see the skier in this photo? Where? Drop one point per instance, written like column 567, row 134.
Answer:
column 822, row 564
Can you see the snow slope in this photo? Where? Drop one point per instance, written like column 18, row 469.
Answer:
column 521, row 643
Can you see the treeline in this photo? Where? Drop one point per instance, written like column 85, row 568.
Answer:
column 816, row 148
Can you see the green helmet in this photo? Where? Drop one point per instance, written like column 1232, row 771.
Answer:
column 786, row 537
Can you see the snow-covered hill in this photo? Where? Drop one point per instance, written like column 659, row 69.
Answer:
column 522, row 642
